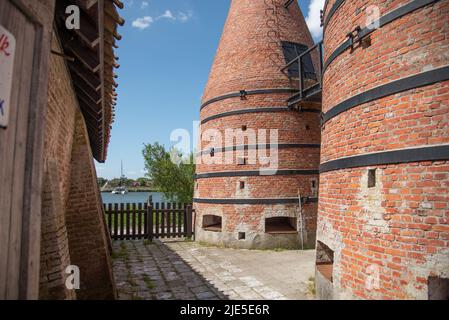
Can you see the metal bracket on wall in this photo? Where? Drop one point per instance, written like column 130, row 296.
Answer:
column 64, row 56
column 354, row 37
column 288, row 3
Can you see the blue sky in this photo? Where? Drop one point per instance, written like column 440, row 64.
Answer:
column 167, row 50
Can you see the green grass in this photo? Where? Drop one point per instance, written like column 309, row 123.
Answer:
column 136, row 297
column 122, row 253
column 311, row 286
column 131, row 281
column 149, row 283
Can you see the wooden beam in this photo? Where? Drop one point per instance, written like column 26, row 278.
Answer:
column 86, row 108
column 88, row 32
column 86, row 4
column 82, row 85
column 112, row 13
column 82, row 95
column 92, row 79
column 74, row 47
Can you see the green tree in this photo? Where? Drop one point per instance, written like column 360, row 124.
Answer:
column 101, row 181
column 173, row 178
column 143, row 182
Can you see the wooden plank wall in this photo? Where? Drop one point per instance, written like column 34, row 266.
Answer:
column 21, row 144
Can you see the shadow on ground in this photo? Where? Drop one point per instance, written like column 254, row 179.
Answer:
column 152, row 271
column 185, row 270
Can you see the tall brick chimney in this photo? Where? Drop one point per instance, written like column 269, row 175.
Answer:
column 237, row 203
column 383, row 219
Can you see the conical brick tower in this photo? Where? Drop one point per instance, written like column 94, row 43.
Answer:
column 238, row 201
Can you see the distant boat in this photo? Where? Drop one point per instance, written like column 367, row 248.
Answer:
column 120, row 189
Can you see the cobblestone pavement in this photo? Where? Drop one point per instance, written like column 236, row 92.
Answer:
column 166, row 270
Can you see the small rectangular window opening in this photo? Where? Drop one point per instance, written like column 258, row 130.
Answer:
column 371, row 178
column 242, row 235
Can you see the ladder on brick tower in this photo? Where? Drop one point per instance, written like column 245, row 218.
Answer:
column 306, row 70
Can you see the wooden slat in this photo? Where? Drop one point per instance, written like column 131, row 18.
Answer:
column 168, row 220
column 157, row 221
column 140, row 220
column 88, row 32
column 89, row 101
column 116, row 221
column 122, row 220
column 145, row 220
column 109, row 213
column 180, row 216
column 163, row 221
column 175, row 218
column 88, row 57
column 81, row 84
column 86, row 4
column 134, row 222
column 188, row 231
column 128, row 220
column 91, row 78
column 150, row 220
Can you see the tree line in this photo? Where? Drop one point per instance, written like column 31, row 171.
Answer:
column 167, row 171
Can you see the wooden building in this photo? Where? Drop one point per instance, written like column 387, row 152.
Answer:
column 57, row 91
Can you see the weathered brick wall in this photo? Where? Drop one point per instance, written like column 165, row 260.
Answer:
column 85, row 222
column 69, row 172
column 58, row 140
column 250, row 57
column 55, row 256
column 397, row 229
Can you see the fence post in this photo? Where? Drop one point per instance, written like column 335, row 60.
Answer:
column 189, row 221
column 150, row 221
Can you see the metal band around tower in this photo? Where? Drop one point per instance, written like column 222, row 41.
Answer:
column 243, row 93
column 384, row 20
column 412, row 82
column 256, row 173
column 256, row 110
column 257, row 147
column 332, row 11
column 431, row 153
column 255, row 201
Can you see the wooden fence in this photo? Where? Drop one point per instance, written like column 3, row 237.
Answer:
column 149, row 220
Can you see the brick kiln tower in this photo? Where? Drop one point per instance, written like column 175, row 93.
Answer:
column 236, row 202
column 383, row 219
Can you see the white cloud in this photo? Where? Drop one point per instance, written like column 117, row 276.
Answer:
column 184, row 17
column 144, row 5
column 313, row 18
column 147, row 21
column 143, row 23
column 167, row 15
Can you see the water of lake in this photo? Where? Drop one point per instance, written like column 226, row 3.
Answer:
column 132, row 197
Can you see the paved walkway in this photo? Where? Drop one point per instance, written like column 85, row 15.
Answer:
column 188, row 271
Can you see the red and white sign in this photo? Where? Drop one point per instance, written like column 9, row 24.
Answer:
column 7, row 52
